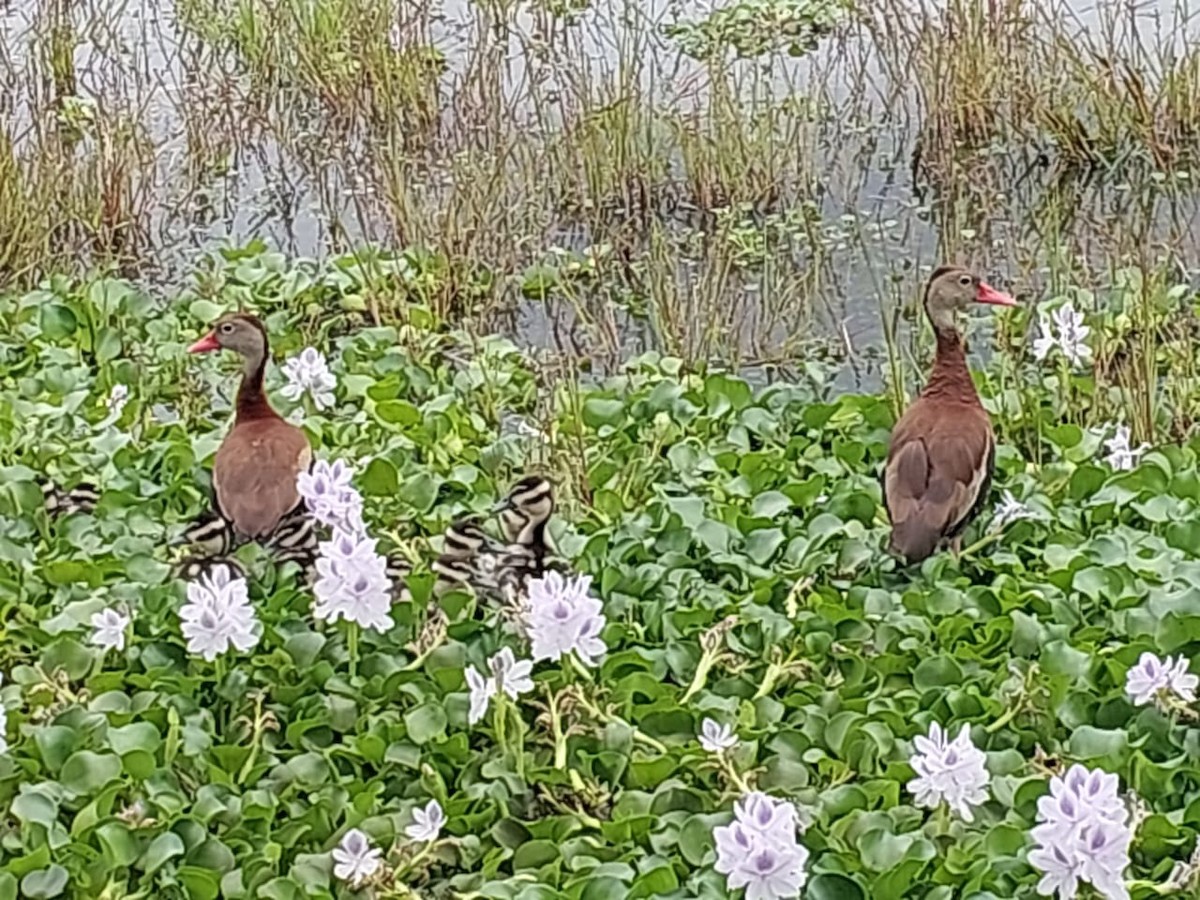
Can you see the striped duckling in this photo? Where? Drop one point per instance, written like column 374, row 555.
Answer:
column 59, row 502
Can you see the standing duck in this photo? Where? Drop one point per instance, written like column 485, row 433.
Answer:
column 939, row 463
column 254, row 474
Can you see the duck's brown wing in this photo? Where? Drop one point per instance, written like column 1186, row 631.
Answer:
column 937, row 472
column 254, row 475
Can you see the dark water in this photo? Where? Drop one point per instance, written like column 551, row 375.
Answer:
column 222, row 168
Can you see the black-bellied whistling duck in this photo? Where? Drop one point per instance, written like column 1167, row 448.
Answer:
column 254, row 474
column 457, row 565
column 939, row 463
column 58, row 502
column 524, row 512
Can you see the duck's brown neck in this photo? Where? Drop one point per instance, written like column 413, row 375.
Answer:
column 251, row 398
column 950, row 378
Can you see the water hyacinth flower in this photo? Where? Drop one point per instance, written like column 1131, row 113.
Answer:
column 1082, row 835
column 1063, row 329
column 117, row 398
column 511, row 676
column 309, row 372
column 218, row 615
column 1120, row 454
column 330, row 497
column 355, row 859
column 758, row 850
column 1009, row 510
column 108, row 629
column 1157, row 680
column 953, row 772
column 427, row 823
column 716, row 738
column 561, row 616
column 352, row 582
column 482, row 690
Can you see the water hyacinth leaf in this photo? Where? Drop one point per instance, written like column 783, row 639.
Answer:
column 34, row 807
column 162, row 849
column 937, row 672
column 426, row 723
column 135, row 736
column 380, row 478
column 44, row 883
column 86, row 772
column 598, row 411
column 119, row 845
column 833, row 887
column 1090, row 743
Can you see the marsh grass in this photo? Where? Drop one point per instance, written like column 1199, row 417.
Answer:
column 616, row 176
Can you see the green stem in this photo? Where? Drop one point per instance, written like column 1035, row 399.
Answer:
column 560, row 743
column 980, row 544
column 520, row 732
column 219, row 677
column 700, row 678
column 734, row 775
column 774, row 670
column 580, row 667
column 412, row 863
column 638, row 735
column 352, row 648
column 1008, row 716
column 500, row 722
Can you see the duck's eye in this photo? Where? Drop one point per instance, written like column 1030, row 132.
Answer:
column 964, row 280
column 227, row 328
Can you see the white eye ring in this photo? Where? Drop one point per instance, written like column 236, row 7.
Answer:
column 965, row 280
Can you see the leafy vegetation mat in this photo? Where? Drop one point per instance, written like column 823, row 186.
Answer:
column 734, row 537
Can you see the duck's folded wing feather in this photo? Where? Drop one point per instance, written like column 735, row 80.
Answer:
column 254, row 477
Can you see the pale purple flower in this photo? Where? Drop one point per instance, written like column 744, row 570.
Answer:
column 561, row 617
column 1063, row 329
column 352, row 582
column 1120, row 454
column 482, row 690
column 354, row 859
column 716, row 738
column 770, row 873
column 953, row 772
column 108, row 629
column 511, row 676
column 309, row 371
column 117, row 398
column 427, row 823
column 774, row 819
column 1009, row 509
column 1082, row 835
column 758, row 850
column 330, row 497
column 1061, row 871
column 218, row 615
column 1154, row 679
